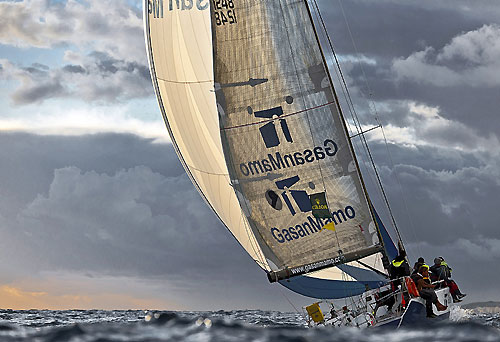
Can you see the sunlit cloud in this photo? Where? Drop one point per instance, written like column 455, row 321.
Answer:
column 86, row 120
column 56, row 291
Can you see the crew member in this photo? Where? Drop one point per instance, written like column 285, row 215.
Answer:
column 399, row 268
column 420, row 262
column 426, row 290
column 441, row 271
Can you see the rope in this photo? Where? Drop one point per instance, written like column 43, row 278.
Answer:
column 290, row 302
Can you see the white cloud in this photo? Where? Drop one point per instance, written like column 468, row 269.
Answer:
column 96, row 77
column 78, row 119
column 103, row 44
column 424, row 126
column 472, row 59
column 111, row 26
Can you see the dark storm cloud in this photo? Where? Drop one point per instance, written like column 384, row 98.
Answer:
column 396, row 28
column 445, row 203
column 451, row 37
column 39, row 156
column 91, row 204
column 440, row 196
column 119, row 205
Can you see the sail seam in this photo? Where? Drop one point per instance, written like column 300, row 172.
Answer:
column 184, row 82
column 206, row 172
column 281, row 116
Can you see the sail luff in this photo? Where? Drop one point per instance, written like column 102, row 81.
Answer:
column 162, row 108
column 347, row 135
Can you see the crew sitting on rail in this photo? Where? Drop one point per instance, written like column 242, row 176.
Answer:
column 441, row 271
column 426, row 290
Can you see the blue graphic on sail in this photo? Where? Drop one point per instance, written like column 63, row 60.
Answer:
column 268, row 131
column 300, row 196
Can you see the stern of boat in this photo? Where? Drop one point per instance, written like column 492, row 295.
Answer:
column 415, row 313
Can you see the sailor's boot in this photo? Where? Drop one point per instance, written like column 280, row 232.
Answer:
column 440, row 306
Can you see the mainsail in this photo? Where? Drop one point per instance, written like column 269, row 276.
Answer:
column 284, row 138
column 248, row 103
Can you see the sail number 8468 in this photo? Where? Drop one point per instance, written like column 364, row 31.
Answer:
column 224, row 12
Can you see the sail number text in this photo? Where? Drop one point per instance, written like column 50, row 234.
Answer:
column 224, row 12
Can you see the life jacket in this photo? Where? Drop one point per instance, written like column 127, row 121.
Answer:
column 397, row 263
column 416, row 277
column 399, row 269
column 412, row 288
column 448, row 268
column 443, row 263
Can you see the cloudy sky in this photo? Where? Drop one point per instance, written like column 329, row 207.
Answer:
column 87, row 173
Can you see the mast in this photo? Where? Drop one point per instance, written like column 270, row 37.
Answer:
column 361, row 133
column 385, row 259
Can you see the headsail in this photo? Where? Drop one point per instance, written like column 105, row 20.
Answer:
column 284, row 138
column 179, row 45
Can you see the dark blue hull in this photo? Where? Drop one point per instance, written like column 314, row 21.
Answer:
column 416, row 315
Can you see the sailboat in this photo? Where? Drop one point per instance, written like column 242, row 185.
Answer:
column 252, row 112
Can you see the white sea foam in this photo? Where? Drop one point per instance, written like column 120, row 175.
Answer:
column 458, row 314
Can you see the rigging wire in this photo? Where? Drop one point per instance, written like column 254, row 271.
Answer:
column 307, row 116
column 290, row 302
column 349, row 106
column 356, row 118
column 347, row 291
column 376, row 115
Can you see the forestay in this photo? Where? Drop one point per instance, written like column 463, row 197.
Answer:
column 284, row 139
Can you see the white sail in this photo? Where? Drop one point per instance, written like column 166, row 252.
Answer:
column 179, row 42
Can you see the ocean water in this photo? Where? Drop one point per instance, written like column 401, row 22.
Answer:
column 246, row 325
